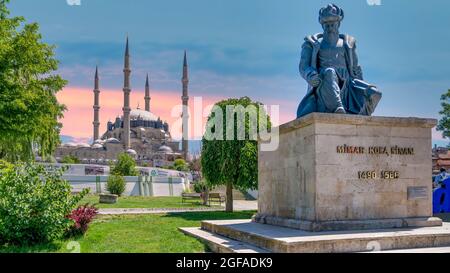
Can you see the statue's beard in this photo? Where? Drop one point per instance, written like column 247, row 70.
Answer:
column 331, row 35
column 331, row 32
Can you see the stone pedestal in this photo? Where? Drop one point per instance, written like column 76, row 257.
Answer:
column 346, row 172
column 340, row 183
column 108, row 198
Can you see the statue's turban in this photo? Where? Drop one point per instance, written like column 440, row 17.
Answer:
column 331, row 13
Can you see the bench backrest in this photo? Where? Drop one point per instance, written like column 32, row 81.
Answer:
column 215, row 195
column 191, row 194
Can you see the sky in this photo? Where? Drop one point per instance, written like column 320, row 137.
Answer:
column 237, row 48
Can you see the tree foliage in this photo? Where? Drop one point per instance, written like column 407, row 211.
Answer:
column 233, row 163
column 125, row 166
column 180, row 165
column 116, row 184
column 34, row 204
column 70, row 159
column 29, row 109
column 444, row 122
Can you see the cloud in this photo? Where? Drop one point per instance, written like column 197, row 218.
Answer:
column 77, row 121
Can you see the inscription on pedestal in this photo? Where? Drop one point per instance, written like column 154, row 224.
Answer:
column 417, row 193
column 376, row 150
column 395, row 150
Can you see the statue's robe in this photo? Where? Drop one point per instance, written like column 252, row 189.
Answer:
column 358, row 97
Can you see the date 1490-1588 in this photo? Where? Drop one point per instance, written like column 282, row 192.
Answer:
column 390, row 175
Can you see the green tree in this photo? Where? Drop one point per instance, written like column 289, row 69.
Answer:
column 4, row 165
column 116, row 184
column 29, row 110
column 125, row 166
column 444, row 122
column 232, row 162
column 34, row 204
column 70, row 159
column 180, row 165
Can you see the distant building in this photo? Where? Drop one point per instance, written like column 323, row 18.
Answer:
column 440, row 159
column 140, row 133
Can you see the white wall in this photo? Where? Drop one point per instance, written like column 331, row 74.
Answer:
column 159, row 186
column 88, row 169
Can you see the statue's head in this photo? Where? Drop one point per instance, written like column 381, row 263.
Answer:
column 330, row 18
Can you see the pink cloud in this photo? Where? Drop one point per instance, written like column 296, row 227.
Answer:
column 77, row 121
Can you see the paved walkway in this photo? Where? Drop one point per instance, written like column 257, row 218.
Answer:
column 239, row 205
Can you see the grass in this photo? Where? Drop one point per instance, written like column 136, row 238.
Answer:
column 128, row 202
column 156, row 233
column 137, row 234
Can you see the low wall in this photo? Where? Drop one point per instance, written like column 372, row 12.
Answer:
column 102, row 170
column 135, row 185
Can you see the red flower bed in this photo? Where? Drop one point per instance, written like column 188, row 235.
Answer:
column 82, row 216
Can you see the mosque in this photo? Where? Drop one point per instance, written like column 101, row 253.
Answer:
column 138, row 132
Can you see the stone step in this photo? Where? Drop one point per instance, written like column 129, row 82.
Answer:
column 285, row 240
column 416, row 250
column 221, row 244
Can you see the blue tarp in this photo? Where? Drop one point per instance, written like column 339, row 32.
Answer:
column 441, row 198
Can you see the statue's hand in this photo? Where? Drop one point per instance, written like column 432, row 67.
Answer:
column 315, row 80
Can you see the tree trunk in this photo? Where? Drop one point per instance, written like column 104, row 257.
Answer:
column 205, row 196
column 229, row 201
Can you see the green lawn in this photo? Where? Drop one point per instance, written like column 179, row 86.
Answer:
column 137, row 234
column 128, row 202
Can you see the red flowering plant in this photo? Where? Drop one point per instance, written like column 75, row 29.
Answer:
column 81, row 217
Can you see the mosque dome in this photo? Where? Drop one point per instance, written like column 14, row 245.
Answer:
column 97, row 146
column 99, row 141
column 165, row 149
column 84, row 145
column 70, row 144
column 142, row 115
column 131, row 152
column 112, row 140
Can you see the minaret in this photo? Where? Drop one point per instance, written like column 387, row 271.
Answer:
column 126, row 99
column 185, row 115
column 147, row 95
column 96, row 122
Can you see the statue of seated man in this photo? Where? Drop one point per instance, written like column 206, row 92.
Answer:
column 330, row 66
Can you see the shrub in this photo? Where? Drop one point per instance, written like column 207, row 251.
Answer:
column 201, row 187
column 81, row 216
column 5, row 165
column 125, row 166
column 180, row 165
column 70, row 159
column 188, row 190
column 34, row 204
column 116, row 184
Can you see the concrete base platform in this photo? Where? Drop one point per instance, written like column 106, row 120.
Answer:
column 245, row 235
column 416, row 250
column 221, row 244
column 348, row 225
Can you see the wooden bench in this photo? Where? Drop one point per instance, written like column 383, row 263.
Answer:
column 216, row 197
column 190, row 196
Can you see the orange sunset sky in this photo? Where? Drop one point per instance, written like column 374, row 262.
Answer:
column 77, row 121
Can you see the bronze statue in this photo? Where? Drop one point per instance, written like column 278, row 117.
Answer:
column 329, row 64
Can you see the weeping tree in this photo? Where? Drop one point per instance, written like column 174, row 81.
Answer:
column 29, row 109
column 444, row 122
column 229, row 146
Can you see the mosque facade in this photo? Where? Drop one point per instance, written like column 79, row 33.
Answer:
column 138, row 132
